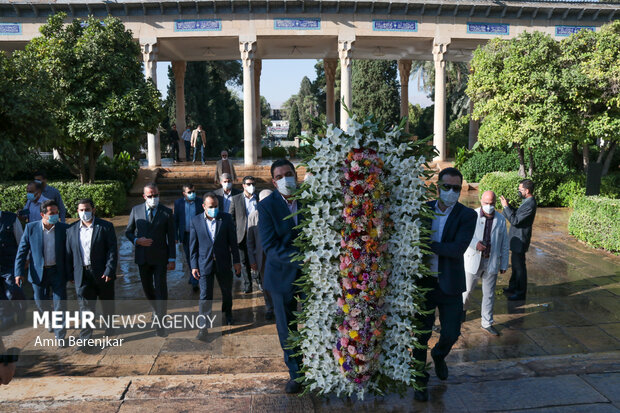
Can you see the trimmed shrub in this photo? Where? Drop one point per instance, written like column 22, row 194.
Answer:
column 482, row 163
column 502, row 183
column 278, row 152
column 292, row 151
column 596, row 221
column 265, row 152
column 109, row 196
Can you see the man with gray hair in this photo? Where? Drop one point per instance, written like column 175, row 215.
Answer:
column 226, row 192
column 487, row 253
column 224, row 166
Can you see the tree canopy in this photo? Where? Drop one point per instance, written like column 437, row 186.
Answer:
column 376, row 90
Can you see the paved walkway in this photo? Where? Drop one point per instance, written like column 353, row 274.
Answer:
column 559, row 351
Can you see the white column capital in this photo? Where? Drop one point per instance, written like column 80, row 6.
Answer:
column 439, row 51
column 247, row 49
column 345, row 52
column 150, row 49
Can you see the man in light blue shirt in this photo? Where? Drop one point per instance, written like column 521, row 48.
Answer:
column 34, row 195
column 50, row 192
column 185, row 209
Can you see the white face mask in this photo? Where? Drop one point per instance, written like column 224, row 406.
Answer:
column 85, row 216
column 449, row 198
column 227, row 185
column 286, row 185
column 488, row 209
column 249, row 189
column 152, row 202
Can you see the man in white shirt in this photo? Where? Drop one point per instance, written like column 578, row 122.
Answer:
column 241, row 207
column 187, row 141
column 226, row 192
column 35, row 198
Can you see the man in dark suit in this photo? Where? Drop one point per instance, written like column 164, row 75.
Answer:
column 91, row 263
column 257, row 255
column 151, row 230
column 452, row 230
column 241, row 207
column 519, row 237
column 226, row 192
column 212, row 242
column 277, row 235
column 43, row 245
column 185, row 209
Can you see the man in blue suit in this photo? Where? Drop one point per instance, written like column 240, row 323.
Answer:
column 452, row 229
column 212, row 241
column 185, row 209
column 43, row 245
column 277, row 235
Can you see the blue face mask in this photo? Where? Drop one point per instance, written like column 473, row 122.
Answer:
column 191, row 196
column 53, row 219
column 212, row 212
column 30, row 196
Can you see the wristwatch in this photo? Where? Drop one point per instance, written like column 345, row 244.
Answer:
column 11, row 356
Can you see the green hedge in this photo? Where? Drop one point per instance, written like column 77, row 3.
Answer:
column 265, row 152
column 502, row 183
column 596, row 221
column 109, row 196
column 482, row 163
column 279, row 152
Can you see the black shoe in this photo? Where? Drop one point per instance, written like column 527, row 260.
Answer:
column 229, row 320
column 441, row 368
column 508, row 291
column 50, row 329
column 63, row 343
column 491, row 330
column 195, row 288
column 517, row 297
column 421, row 395
column 161, row 332
column 110, row 331
column 203, row 335
column 292, row 387
column 269, row 315
column 247, row 291
column 463, row 316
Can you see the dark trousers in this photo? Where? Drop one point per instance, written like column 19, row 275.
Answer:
column 200, row 147
column 266, row 294
column 95, row 287
column 206, row 282
column 246, row 269
column 188, row 150
column 450, row 310
column 518, row 279
column 52, row 284
column 192, row 280
column 284, row 306
column 155, row 286
column 175, row 150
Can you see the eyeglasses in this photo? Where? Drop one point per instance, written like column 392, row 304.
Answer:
column 191, row 192
column 152, row 196
column 447, row 187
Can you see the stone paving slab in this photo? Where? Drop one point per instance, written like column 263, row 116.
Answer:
column 580, row 408
column 219, row 404
column 65, row 388
column 608, row 384
column 62, row 406
column 528, row 393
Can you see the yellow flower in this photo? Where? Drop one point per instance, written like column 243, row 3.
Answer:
column 353, row 334
column 341, row 360
column 373, row 233
column 345, row 308
column 349, row 296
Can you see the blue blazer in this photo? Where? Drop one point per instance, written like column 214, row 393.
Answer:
column 179, row 216
column 31, row 249
column 202, row 249
column 277, row 235
column 457, row 234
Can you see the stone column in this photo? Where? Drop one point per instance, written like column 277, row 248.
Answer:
column 330, row 66
column 258, row 65
column 345, row 50
column 439, row 130
column 149, row 56
column 178, row 68
column 247, row 49
column 404, row 70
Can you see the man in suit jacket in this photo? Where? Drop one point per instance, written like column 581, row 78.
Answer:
column 44, row 246
column 185, row 209
column 520, row 234
column 226, row 192
column 11, row 232
column 241, row 207
column 452, row 230
column 151, row 230
column 256, row 254
column 212, row 242
column 224, row 166
column 50, row 192
column 91, row 262
column 486, row 255
column 199, row 141
column 277, row 234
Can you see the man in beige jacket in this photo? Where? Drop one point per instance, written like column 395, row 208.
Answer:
column 197, row 143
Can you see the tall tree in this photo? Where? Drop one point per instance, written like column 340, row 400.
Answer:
column 294, row 124
column 376, row 90
column 98, row 87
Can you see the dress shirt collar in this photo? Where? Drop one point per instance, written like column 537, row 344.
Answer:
column 83, row 225
column 446, row 212
column 45, row 229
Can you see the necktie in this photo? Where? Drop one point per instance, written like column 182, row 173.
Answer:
column 150, row 215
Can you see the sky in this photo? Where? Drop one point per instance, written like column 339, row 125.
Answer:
column 281, row 78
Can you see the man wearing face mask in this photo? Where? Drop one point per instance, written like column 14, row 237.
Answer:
column 519, row 236
column 151, row 230
column 452, row 230
column 224, row 166
column 212, row 242
column 185, row 209
column 34, row 200
column 91, row 262
column 487, row 253
column 44, row 246
column 277, row 233
column 226, row 192
column 50, row 192
column 241, row 207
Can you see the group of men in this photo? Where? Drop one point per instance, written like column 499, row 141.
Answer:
column 228, row 230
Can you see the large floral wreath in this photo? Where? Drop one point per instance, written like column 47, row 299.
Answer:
column 362, row 245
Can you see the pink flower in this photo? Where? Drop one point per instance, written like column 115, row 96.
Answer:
column 344, row 342
column 342, row 330
column 351, row 350
column 355, row 167
column 354, row 324
column 340, row 301
column 358, row 156
column 361, row 357
column 337, row 354
column 355, row 312
column 346, row 283
column 383, row 283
